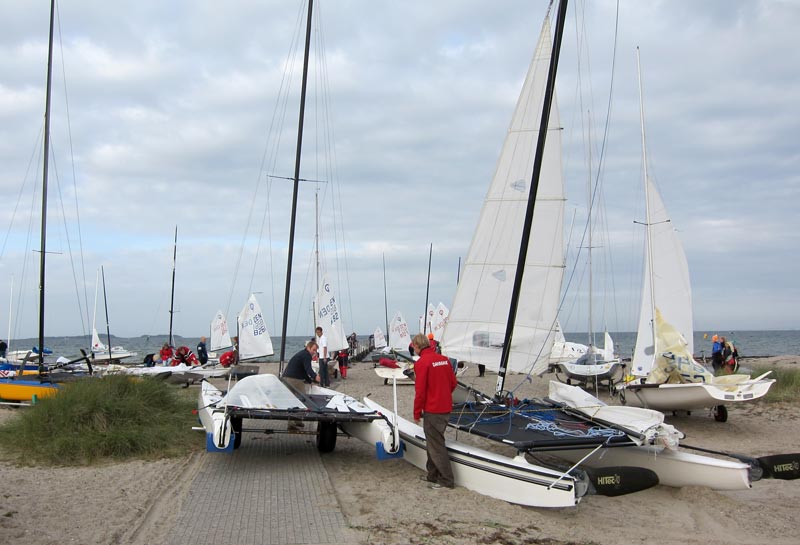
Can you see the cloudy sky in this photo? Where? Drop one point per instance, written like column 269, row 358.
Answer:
column 184, row 113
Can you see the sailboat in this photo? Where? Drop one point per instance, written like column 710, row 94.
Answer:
column 397, row 363
column 665, row 376
column 266, row 396
column 624, row 444
column 100, row 352
column 25, row 387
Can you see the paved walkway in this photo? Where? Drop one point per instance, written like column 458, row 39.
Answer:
column 272, row 490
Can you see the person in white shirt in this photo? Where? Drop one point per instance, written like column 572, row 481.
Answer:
column 322, row 342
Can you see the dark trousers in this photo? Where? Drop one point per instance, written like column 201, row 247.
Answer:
column 438, row 465
column 324, row 380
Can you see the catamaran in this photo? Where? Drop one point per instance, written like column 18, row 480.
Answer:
column 664, row 375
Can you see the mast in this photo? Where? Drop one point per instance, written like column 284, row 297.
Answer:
column 591, row 206
column 648, row 229
column 43, row 243
column 296, row 184
column 385, row 303
column 537, row 168
column 10, row 309
column 427, row 291
column 172, row 296
column 105, row 304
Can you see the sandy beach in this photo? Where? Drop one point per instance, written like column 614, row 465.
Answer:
column 385, row 503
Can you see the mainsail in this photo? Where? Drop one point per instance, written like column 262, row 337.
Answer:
column 328, row 317
column 399, row 337
column 439, row 321
column 220, row 336
column 379, row 338
column 254, row 339
column 666, row 284
column 478, row 318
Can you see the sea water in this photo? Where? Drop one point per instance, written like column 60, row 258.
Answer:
column 749, row 343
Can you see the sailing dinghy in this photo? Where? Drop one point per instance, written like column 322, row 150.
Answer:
column 665, row 376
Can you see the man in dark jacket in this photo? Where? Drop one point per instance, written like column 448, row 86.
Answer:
column 202, row 352
column 433, row 402
column 299, row 373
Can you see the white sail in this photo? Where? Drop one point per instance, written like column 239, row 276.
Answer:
column 254, row 339
column 478, row 317
column 97, row 345
column 439, row 321
column 379, row 338
column 666, row 285
column 399, row 337
column 430, row 315
column 220, row 336
column 329, row 317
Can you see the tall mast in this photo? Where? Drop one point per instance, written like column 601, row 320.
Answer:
column 172, row 296
column 648, row 229
column 591, row 206
column 385, row 303
column 43, row 244
column 105, row 304
column 427, row 291
column 537, row 169
column 296, row 184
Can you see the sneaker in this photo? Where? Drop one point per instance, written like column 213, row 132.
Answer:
column 424, row 478
column 435, row 486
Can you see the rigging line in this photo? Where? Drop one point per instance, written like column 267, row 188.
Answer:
column 264, row 157
column 34, row 154
column 605, row 138
column 69, row 244
column 74, row 179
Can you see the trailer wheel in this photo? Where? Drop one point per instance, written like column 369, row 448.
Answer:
column 236, row 426
column 720, row 413
column 326, row 436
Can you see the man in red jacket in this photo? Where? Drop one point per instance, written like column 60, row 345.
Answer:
column 433, row 401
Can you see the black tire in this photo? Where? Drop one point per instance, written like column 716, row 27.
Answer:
column 236, row 426
column 326, row 436
column 569, row 381
column 720, row 413
column 385, row 381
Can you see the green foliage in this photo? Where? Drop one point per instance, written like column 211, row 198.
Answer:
column 92, row 420
column 787, row 385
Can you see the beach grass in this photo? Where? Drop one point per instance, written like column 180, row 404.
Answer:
column 787, row 383
column 94, row 420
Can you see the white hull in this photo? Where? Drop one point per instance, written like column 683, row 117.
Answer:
column 510, row 479
column 215, row 421
column 600, row 371
column 674, row 468
column 691, row 396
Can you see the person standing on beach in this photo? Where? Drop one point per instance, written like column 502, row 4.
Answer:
column 716, row 353
column 3, row 348
column 322, row 343
column 433, row 402
column 202, row 352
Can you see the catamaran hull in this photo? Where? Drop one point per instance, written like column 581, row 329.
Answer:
column 674, row 468
column 690, row 396
column 217, row 424
column 514, row 480
column 589, row 373
column 25, row 390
